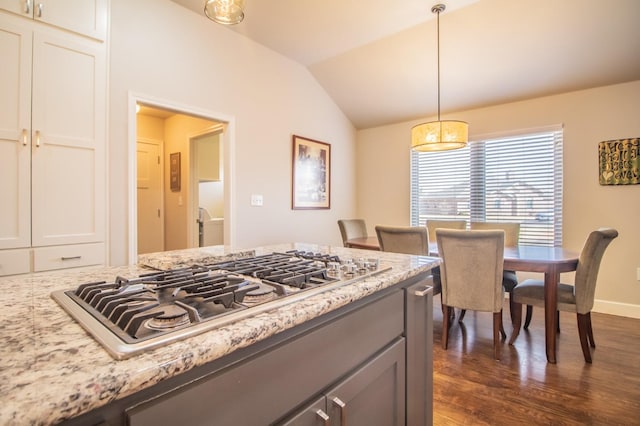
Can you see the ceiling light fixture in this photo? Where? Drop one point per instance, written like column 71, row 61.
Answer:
column 225, row 12
column 439, row 135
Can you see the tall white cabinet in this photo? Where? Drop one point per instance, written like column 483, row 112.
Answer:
column 52, row 134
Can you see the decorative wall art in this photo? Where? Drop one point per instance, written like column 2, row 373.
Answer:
column 311, row 180
column 174, row 170
column 619, row 162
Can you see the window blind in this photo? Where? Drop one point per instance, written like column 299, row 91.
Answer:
column 509, row 179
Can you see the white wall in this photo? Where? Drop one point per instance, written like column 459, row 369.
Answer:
column 164, row 51
column 589, row 117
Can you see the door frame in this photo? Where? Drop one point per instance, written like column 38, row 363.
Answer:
column 228, row 143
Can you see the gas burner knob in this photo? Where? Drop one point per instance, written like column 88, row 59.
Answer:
column 373, row 263
column 362, row 264
column 350, row 268
column 333, row 269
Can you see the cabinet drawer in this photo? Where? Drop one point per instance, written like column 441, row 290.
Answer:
column 72, row 256
column 14, row 262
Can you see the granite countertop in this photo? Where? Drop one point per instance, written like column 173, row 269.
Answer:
column 52, row 370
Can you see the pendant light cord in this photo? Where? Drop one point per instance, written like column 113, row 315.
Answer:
column 438, row 50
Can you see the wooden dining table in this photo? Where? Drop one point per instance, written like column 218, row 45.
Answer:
column 550, row 261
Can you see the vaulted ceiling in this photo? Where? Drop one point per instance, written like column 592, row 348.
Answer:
column 377, row 58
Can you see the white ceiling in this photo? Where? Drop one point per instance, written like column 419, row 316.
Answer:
column 377, row 58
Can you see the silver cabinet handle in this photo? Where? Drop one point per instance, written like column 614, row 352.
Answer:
column 63, row 258
column 343, row 410
column 39, row 12
column 25, row 137
column 423, row 292
column 323, row 416
column 37, row 138
column 27, row 7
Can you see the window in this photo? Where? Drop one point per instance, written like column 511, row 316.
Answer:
column 508, row 179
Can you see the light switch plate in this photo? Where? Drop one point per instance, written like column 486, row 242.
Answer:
column 256, row 199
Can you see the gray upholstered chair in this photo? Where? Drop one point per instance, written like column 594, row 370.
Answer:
column 576, row 298
column 471, row 275
column 433, row 224
column 511, row 239
column 352, row 228
column 403, row 239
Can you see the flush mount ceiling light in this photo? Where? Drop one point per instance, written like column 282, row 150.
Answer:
column 439, row 135
column 226, row 12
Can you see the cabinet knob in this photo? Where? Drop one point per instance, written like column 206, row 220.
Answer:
column 324, row 417
column 27, row 7
column 343, row 410
column 25, row 137
column 39, row 12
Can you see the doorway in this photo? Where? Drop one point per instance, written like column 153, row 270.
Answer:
column 165, row 216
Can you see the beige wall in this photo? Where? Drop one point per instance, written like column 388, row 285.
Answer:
column 588, row 116
column 163, row 51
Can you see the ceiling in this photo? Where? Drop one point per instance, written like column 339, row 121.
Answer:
column 377, row 58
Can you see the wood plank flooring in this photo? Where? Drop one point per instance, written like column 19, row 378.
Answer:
column 472, row 388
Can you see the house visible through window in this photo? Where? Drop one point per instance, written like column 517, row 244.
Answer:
column 508, row 179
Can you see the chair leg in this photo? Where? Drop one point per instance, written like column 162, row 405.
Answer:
column 503, row 335
column 558, row 321
column 590, row 331
column 497, row 325
column 517, row 316
column 583, row 327
column 462, row 312
column 511, row 303
column 527, row 319
column 445, row 326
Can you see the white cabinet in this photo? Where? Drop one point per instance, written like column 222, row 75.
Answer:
column 87, row 17
column 52, row 140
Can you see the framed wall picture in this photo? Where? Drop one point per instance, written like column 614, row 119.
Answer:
column 174, row 171
column 619, row 162
column 311, row 180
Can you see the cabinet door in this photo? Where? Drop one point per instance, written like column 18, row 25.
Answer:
column 68, row 119
column 88, row 17
column 313, row 415
column 15, row 144
column 374, row 395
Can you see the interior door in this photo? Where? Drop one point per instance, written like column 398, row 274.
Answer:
column 150, row 200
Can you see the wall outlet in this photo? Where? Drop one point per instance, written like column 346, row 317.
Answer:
column 256, row 199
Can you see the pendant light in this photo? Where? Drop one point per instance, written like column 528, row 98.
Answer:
column 439, row 135
column 226, row 12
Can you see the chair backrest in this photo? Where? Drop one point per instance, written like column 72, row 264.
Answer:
column 511, row 231
column 403, row 239
column 352, row 228
column 432, row 225
column 588, row 267
column 471, row 268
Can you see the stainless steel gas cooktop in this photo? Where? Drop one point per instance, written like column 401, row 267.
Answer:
column 131, row 315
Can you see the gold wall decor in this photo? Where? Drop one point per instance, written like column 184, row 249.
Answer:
column 619, row 162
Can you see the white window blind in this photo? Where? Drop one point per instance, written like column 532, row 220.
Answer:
column 509, row 179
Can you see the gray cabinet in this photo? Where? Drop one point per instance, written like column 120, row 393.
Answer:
column 366, row 363
column 373, row 395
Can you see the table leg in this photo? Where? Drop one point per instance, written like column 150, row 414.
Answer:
column 550, row 307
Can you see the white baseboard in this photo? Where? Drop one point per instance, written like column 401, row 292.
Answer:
column 616, row 308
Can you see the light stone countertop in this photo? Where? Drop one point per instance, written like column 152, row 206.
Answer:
column 51, row 369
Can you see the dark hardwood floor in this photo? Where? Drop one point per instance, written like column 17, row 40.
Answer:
column 472, row 388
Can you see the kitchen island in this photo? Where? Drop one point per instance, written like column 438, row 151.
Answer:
column 53, row 371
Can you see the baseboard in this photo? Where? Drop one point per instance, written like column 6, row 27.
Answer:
column 616, row 308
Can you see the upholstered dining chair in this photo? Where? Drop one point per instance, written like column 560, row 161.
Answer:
column 576, row 298
column 352, row 228
column 511, row 239
column 471, row 275
column 403, row 239
column 433, row 224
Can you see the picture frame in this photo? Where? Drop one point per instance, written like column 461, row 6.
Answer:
column 174, row 171
column 311, row 174
column 619, row 162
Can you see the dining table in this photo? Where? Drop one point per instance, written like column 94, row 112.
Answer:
column 550, row 261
